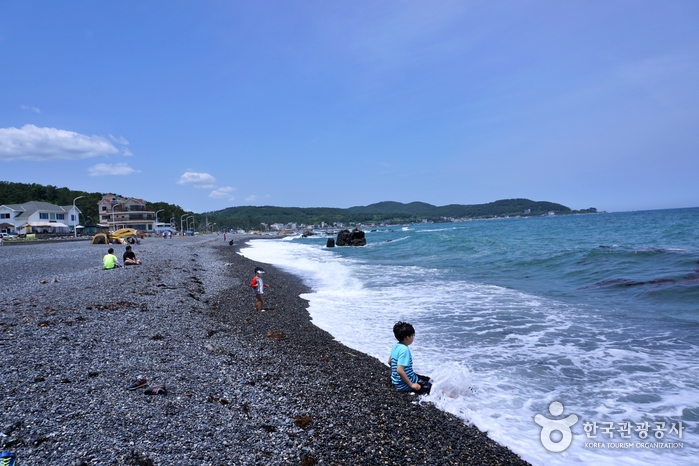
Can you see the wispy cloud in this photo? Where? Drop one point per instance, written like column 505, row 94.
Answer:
column 31, row 109
column 198, row 180
column 33, row 143
column 255, row 197
column 222, row 193
column 107, row 169
column 119, row 140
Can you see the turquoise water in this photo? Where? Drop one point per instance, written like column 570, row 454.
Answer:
column 599, row 312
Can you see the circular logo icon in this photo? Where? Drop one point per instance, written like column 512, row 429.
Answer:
column 549, row 426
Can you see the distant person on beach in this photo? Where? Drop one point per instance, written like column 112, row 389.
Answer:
column 258, row 286
column 130, row 257
column 401, row 362
column 110, row 260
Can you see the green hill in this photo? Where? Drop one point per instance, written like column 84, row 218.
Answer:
column 19, row 193
column 250, row 218
column 394, row 212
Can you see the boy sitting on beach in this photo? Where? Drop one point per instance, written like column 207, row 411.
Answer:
column 258, row 286
column 110, row 260
column 130, row 257
column 401, row 362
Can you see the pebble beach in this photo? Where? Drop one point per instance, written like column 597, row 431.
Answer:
column 243, row 387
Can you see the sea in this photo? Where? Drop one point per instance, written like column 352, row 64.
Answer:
column 587, row 323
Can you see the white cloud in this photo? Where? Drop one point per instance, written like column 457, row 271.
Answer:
column 105, row 169
column 198, row 180
column 251, row 198
column 119, row 140
column 33, row 143
column 223, row 192
column 31, row 109
column 127, row 152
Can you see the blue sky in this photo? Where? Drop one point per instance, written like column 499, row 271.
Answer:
column 334, row 104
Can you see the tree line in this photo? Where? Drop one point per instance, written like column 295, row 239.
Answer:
column 19, row 193
column 251, row 218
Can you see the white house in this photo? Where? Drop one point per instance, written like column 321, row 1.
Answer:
column 38, row 217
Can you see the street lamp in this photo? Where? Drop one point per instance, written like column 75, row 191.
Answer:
column 181, row 222
column 187, row 220
column 156, row 218
column 77, row 216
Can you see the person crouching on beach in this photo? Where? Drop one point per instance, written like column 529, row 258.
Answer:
column 130, row 257
column 401, row 362
column 258, row 286
column 110, row 260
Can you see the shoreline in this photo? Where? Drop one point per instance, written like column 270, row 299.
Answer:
column 235, row 396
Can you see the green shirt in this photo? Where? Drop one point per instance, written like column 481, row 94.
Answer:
column 109, row 261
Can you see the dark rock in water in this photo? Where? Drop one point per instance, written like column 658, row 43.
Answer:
column 342, row 238
column 307, row 233
column 330, row 243
column 353, row 238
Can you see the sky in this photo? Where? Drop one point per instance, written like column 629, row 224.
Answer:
column 215, row 104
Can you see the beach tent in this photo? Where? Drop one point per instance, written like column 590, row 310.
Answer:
column 125, row 233
column 100, row 238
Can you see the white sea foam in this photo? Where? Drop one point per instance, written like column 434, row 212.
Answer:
column 498, row 356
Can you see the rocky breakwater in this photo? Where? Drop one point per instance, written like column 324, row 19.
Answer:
column 243, row 387
column 351, row 238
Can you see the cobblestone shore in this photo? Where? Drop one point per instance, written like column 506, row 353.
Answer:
column 242, row 387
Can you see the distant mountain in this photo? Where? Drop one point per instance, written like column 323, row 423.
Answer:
column 394, row 212
column 492, row 209
column 250, row 218
column 390, row 207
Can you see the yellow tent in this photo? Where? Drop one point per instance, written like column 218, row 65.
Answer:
column 125, row 233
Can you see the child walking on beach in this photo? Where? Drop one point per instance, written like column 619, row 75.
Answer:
column 401, row 362
column 258, row 286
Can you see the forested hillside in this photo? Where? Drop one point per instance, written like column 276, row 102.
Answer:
column 393, row 212
column 250, row 218
column 19, row 193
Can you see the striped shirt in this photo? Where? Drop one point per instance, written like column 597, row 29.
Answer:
column 401, row 356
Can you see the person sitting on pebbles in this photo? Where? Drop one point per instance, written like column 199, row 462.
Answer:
column 130, row 257
column 401, row 362
column 110, row 260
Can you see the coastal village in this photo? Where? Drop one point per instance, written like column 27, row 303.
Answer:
column 41, row 220
column 115, row 212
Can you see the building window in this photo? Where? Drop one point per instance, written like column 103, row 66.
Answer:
column 72, row 217
column 4, row 215
column 60, row 216
column 43, row 216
